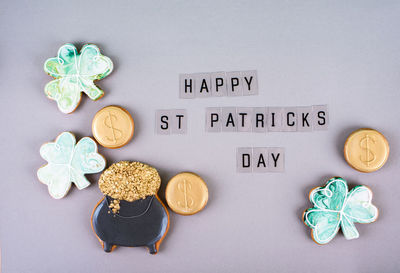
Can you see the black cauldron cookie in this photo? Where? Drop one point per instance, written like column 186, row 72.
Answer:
column 130, row 214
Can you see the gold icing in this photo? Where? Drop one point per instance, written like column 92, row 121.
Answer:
column 129, row 181
column 113, row 127
column 366, row 150
column 186, row 193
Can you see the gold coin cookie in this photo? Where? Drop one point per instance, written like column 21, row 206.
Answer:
column 366, row 150
column 186, row 193
column 113, row 127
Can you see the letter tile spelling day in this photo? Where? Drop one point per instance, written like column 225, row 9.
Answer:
column 260, row 159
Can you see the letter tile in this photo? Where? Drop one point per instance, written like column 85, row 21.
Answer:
column 244, row 160
column 218, row 84
column 304, row 119
column 229, row 119
column 250, row 83
column 259, row 120
column 276, row 159
column 234, row 83
column 203, row 85
column 213, row 119
column 275, row 119
column 163, row 122
column 321, row 117
column 244, row 119
column 260, row 160
column 179, row 121
column 187, row 86
column 289, row 119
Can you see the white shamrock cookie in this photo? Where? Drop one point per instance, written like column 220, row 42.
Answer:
column 68, row 162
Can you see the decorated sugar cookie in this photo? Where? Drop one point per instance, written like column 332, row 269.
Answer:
column 113, row 127
column 186, row 193
column 75, row 73
column 366, row 150
column 130, row 214
column 335, row 207
column 68, row 162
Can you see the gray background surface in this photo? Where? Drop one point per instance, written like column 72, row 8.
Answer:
column 341, row 53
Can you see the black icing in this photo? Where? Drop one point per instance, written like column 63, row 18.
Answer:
column 139, row 223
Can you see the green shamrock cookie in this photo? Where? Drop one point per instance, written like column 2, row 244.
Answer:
column 74, row 73
column 335, row 206
column 68, row 162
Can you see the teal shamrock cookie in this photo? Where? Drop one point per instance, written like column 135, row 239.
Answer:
column 335, row 207
column 68, row 162
column 74, row 73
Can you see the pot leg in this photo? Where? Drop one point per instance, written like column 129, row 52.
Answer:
column 107, row 247
column 152, row 249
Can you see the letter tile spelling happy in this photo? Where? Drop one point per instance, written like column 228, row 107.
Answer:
column 74, row 73
column 68, row 162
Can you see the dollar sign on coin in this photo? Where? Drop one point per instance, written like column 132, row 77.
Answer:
column 116, row 133
column 369, row 156
column 112, row 127
column 366, row 150
column 187, row 202
column 186, row 193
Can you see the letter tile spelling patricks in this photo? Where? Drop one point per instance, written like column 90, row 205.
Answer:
column 74, row 73
column 335, row 207
column 68, row 162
